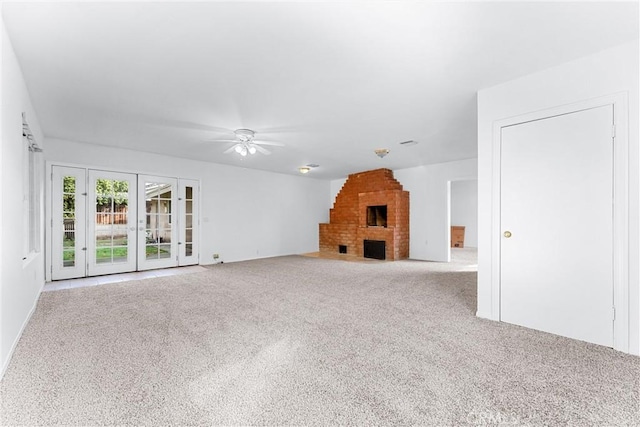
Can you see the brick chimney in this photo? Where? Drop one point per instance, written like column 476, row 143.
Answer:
column 350, row 220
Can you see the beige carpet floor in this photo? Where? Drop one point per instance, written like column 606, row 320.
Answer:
column 305, row 341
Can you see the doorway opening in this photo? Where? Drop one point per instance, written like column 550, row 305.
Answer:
column 463, row 218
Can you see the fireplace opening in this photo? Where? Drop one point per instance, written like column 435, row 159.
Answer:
column 375, row 249
column 342, row 249
column 377, row 216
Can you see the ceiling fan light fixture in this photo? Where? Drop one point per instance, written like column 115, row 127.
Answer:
column 244, row 135
column 245, row 144
column 304, row 169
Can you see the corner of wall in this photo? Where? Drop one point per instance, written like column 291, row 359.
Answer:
column 4, row 361
column 7, row 360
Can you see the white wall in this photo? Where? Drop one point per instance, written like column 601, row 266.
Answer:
column 429, row 204
column 20, row 281
column 464, row 209
column 245, row 213
column 605, row 73
column 335, row 187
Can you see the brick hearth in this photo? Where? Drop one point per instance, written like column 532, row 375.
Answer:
column 348, row 218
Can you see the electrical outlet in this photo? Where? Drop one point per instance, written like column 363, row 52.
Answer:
column 216, row 256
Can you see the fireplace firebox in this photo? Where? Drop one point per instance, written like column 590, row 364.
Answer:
column 375, row 249
column 377, row 216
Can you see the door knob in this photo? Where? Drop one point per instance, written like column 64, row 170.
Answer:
column 507, row 234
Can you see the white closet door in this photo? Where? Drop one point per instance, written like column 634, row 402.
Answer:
column 557, row 225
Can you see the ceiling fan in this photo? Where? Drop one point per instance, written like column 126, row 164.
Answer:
column 245, row 144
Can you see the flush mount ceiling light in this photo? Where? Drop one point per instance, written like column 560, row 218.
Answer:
column 381, row 152
column 304, row 169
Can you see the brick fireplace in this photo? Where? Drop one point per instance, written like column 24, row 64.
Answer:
column 371, row 207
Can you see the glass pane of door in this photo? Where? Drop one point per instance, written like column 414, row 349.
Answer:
column 113, row 202
column 188, row 235
column 158, row 220
column 112, row 208
column 68, row 225
column 156, row 238
column 69, row 221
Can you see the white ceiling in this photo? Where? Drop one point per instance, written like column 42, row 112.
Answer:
column 331, row 80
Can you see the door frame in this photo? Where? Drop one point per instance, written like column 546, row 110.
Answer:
column 620, row 205
column 48, row 205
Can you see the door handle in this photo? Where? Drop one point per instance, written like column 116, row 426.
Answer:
column 507, row 234
column 132, row 228
column 141, row 228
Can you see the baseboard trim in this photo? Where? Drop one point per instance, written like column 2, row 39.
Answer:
column 483, row 315
column 5, row 363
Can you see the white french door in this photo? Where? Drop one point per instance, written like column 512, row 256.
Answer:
column 157, row 233
column 188, row 206
column 111, row 230
column 68, row 223
column 107, row 222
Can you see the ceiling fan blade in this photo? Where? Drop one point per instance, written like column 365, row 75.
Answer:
column 262, row 150
column 222, row 140
column 274, row 144
column 230, row 149
column 178, row 124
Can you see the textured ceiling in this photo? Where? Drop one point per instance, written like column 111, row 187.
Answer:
column 332, row 81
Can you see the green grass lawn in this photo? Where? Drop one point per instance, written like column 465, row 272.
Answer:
column 118, row 252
